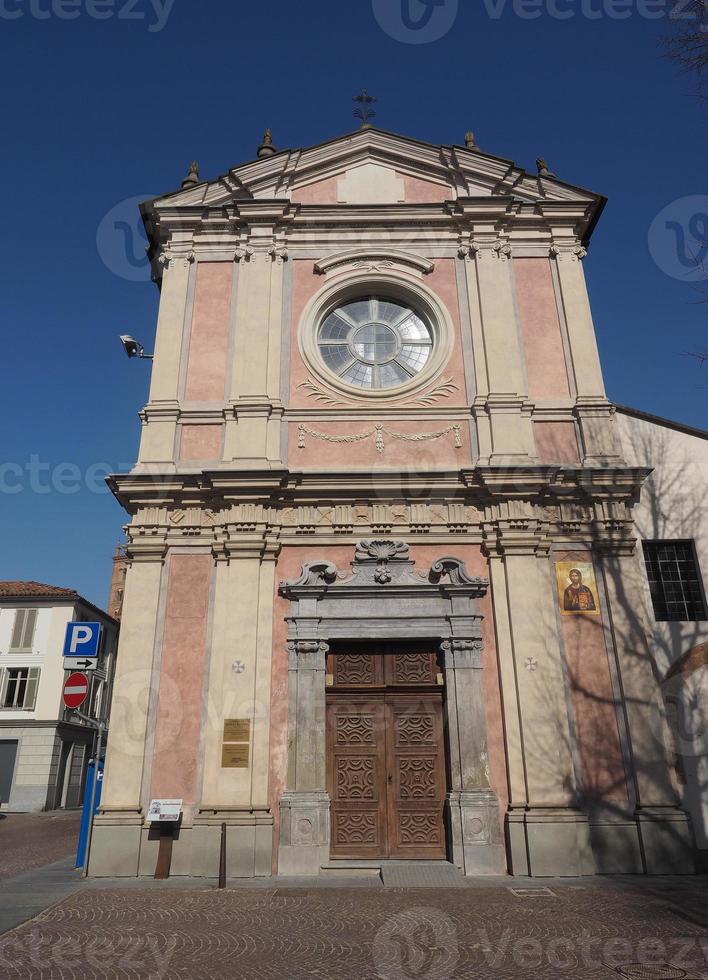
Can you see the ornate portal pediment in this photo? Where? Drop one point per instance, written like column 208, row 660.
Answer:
column 384, row 562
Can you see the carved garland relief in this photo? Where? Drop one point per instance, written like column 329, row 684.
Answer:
column 379, row 431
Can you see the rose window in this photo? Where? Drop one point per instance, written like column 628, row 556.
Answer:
column 375, row 342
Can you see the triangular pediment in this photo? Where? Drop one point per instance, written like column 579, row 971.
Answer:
column 372, row 166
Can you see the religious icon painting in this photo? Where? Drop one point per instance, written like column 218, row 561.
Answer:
column 577, row 588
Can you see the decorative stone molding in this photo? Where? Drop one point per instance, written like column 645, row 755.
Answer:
column 496, row 249
column 168, row 258
column 461, row 653
column 381, row 551
column 443, row 389
column 244, row 254
column 456, row 573
column 307, row 654
column 278, row 254
column 313, row 573
column 570, row 252
column 378, row 430
column 320, row 394
column 373, row 260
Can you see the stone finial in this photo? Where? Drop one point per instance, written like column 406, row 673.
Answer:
column 469, row 141
column 266, row 149
column 192, row 177
column 543, row 170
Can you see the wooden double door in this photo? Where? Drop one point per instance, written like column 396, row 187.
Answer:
column 385, row 757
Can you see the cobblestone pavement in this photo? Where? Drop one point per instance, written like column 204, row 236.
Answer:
column 595, row 930
column 31, row 840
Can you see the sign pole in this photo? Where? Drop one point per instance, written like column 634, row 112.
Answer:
column 96, row 759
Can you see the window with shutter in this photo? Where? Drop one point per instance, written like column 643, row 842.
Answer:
column 20, row 687
column 30, row 698
column 23, row 629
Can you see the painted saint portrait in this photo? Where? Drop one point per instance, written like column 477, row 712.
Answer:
column 577, row 589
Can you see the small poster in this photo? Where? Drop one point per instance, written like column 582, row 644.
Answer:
column 577, row 588
column 164, row 811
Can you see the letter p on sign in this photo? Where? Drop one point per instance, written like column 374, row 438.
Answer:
column 82, row 639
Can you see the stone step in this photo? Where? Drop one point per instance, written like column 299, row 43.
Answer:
column 351, row 869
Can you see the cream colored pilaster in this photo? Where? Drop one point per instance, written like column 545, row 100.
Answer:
column 507, row 673
column 253, row 418
column 500, row 407
column 260, row 797
column 116, row 839
column 233, row 673
column 537, row 665
column 162, row 410
column 597, row 426
column 546, row 833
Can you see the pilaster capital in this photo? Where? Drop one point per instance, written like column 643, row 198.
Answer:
column 614, row 538
column 242, row 546
column 498, row 249
column 567, row 251
column 278, row 253
column 516, row 536
column 244, row 253
column 168, row 258
column 462, row 652
column 307, row 654
column 143, row 548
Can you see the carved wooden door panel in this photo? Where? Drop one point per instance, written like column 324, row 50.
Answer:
column 416, row 777
column 356, row 777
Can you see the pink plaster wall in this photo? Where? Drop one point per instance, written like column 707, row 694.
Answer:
column 290, row 564
column 443, row 282
column 540, row 329
column 594, row 707
column 200, row 442
column 556, row 442
column 179, row 716
column 209, row 339
column 319, row 192
column 419, row 191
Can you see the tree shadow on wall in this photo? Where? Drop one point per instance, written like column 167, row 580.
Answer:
column 649, row 709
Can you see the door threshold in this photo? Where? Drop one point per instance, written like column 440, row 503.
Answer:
column 351, row 869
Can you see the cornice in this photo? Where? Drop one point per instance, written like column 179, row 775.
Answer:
column 481, row 487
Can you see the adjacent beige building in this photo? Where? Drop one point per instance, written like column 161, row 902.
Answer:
column 385, row 597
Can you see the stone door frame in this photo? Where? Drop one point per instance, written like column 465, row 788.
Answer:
column 383, row 599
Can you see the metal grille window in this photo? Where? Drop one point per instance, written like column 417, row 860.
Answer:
column 674, row 581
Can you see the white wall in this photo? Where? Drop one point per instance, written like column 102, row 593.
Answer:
column 674, row 506
column 47, row 652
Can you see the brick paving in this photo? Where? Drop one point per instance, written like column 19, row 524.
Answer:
column 593, row 931
column 31, row 840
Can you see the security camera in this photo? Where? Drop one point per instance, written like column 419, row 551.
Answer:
column 132, row 348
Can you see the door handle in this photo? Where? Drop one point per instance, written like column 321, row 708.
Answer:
column 390, row 778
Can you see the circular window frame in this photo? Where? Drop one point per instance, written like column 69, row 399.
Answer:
column 398, row 287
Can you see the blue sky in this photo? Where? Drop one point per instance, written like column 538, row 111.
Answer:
column 98, row 112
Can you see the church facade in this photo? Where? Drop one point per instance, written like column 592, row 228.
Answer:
column 384, row 596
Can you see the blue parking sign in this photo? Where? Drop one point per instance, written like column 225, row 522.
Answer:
column 82, row 639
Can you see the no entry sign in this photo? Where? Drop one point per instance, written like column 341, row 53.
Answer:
column 75, row 690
